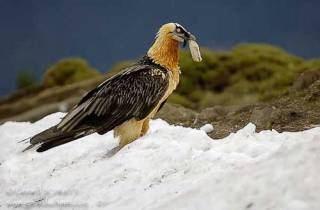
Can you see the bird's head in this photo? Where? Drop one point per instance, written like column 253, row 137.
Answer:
column 176, row 32
column 165, row 49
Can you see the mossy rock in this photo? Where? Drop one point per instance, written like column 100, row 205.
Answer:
column 68, row 71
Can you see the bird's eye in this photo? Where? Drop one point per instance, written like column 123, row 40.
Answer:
column 178, row 30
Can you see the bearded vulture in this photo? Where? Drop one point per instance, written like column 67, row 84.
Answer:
column 127, row 101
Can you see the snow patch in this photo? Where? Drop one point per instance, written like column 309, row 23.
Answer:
column 171, row 167
column 208, row 128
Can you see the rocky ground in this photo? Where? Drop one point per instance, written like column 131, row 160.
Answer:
column 295, row 111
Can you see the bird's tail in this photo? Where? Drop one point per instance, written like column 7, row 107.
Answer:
column 53, row 137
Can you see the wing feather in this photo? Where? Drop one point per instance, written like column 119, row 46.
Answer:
column 133, row 93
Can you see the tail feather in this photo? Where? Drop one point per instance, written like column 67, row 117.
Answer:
column 46, row 135
column 48, row 145
column 53, row 137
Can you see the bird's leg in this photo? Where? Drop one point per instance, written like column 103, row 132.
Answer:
column 145, row 127
column 128, row 131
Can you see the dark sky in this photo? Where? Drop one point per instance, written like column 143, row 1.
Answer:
column 35, row 34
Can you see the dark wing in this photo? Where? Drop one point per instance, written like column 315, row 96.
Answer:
column 134, row 93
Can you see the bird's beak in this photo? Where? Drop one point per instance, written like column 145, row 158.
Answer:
column 192, row 37
column 183, row 37
column 187, row 38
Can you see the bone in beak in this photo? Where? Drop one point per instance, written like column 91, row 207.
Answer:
column 194, row 49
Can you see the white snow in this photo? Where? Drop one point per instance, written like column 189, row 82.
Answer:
column 172, row 167
column 208, row 128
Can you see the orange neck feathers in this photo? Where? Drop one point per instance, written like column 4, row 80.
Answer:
column 165, row 50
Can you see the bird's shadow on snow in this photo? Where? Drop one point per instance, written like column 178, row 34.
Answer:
column 111, row 152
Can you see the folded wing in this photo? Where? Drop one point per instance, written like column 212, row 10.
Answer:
column 131, row 94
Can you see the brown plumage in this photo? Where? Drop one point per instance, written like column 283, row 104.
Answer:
column 127, row 101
